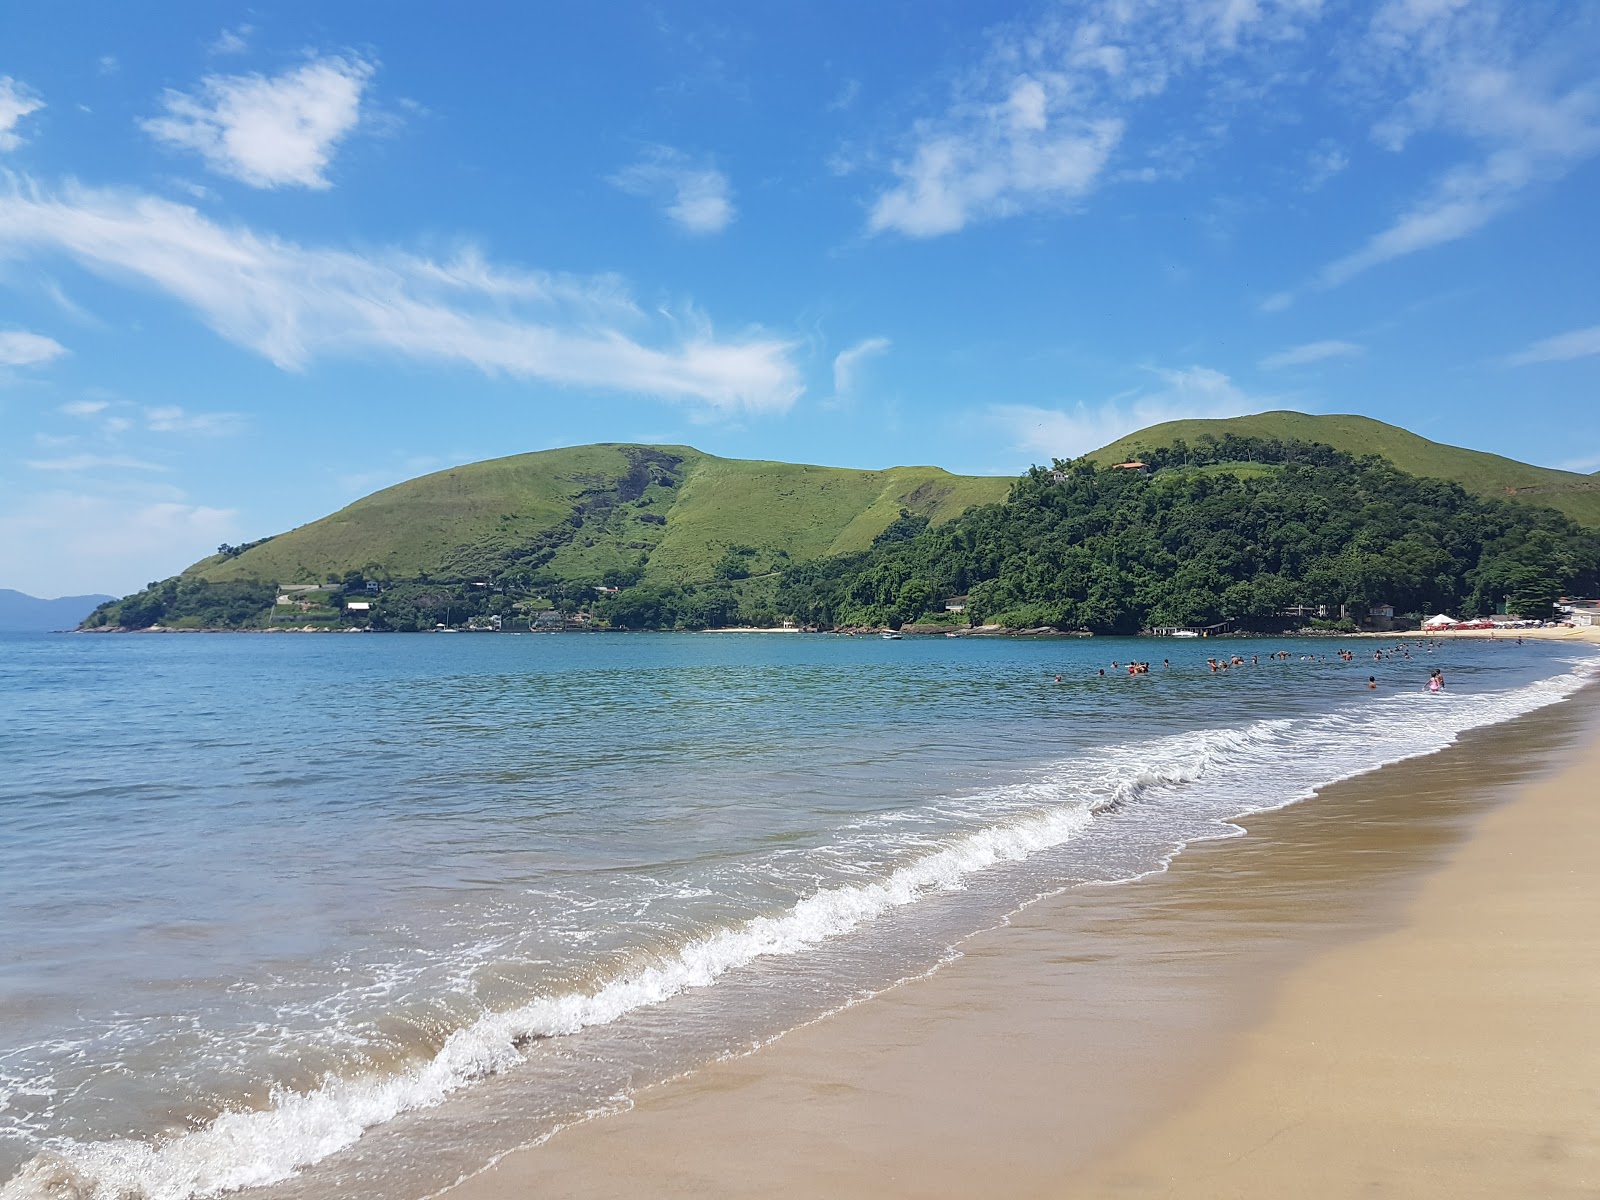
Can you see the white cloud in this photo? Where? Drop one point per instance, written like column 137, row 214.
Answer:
column 694, row 196
column 93, row 462
column 232, row 41
column 73, row 542
column 847, row 363
column 1326, row 160
column 21, row 349
column 1587, row 465
column 295, row 304
column 1186, row 393
column 1579, row 343
column 171, row 418
column 85, row 408
column 846, row 96
column 1310, row 352
column 1037, row 122
column 1476, row 74
column 276, row 132
column 16, row 102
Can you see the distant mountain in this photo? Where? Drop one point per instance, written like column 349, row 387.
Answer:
column 1482, row 474
column 20, row 613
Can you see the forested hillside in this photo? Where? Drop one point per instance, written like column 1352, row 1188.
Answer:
column 1236, row 529
column 1491, row 476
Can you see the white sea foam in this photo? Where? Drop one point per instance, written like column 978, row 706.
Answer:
column 241, row 1149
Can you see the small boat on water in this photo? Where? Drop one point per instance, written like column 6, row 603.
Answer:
column 1185, row 633
column 890, row 635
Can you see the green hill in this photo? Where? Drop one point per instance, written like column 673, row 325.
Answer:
column 1478, row 472
column 671, row 513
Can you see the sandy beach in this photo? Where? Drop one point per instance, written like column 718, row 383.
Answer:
column 1387, row 990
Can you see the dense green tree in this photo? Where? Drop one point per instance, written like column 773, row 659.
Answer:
column 1234, row 529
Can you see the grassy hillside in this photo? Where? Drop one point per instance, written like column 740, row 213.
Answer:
column 576, row 513
column 1478, row 472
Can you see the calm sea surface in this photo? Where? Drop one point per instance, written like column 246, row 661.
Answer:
column 354, row 914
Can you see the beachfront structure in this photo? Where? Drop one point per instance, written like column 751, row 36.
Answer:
column 1585, row 614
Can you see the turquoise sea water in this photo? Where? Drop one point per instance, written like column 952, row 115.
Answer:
column 352, row 914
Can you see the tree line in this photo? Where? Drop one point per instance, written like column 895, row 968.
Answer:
column 1234, row 529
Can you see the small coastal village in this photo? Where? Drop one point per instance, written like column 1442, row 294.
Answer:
column 353, row 606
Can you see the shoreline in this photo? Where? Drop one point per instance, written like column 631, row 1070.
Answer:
column 1454, row 1056
column 1590, row 634
column 1131, row 1040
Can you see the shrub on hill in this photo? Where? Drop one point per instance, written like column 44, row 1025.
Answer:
column 185, row 602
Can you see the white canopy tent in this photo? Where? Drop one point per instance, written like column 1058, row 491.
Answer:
column 1439, row 621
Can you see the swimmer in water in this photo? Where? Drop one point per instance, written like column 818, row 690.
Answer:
column 1372, row 683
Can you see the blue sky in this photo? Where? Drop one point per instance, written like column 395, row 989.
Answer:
column 253, row 270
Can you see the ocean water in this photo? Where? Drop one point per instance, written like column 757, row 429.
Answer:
column 352, row 915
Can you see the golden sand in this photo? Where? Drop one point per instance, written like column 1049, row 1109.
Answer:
column 1381, row 992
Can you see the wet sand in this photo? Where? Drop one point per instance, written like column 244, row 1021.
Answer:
column 1388, row 990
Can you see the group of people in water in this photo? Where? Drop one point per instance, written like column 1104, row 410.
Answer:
column 1218, row 666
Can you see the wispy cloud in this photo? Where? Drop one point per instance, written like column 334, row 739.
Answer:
column 21, row 349
column 844, row 99
column 93, row 462
column 1326, row 160
column 1587, row 464
column 77, row 540
column 295, row 304
column 170, row 418
column 694, row 195
column 1528, row 112
column 232, row 41
column 16, row 102
column 1579, row 343
column 1310, row 352
column 1037, row 122
column 847, row 363
column 1184, row 393
column 268, row 132
column 85, row 408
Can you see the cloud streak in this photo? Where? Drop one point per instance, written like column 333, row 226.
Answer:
column 1037, row 123
column 16, row 102
column 19, row 348
column 267, row 132
column 1563, row 347
column 1472, row 73
column 295, row 304
column 1310, row 352
column 93, row 462
column 847, row 363
column 695, row 197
